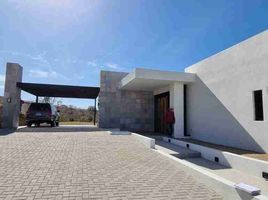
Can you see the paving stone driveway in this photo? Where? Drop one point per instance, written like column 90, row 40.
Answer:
column 93, row 165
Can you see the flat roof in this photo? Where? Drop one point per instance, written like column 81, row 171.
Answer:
column 148, row 79
column 66, row 91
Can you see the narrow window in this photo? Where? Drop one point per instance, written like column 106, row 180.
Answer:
column 258, row 104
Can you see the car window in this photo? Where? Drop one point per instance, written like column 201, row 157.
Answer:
column 39, row 107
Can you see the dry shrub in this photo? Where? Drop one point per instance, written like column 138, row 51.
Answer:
column 22, row 120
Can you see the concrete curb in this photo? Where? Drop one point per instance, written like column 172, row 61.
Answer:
column 249, row 165
column 223, row 186
column 148, row 142
column 20, row 127
column 120, row 132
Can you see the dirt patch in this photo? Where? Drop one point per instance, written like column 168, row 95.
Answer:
column 263, row 157
column 76, row 123
column 242, row 152
column 220, row 147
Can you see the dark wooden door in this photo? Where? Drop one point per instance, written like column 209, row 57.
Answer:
column 161, row 107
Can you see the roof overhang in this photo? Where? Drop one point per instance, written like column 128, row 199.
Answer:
column 66, row 91
column 149, row 80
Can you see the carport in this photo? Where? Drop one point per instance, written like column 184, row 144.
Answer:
column 65, row 91
column 14, row 85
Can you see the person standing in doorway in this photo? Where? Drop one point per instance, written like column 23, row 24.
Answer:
column 170, row 120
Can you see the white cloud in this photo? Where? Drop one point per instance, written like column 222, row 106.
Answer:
column 37, row 73
column 107, row 65
column 37, row 59
column 2, row 78
column 40, row 60
column 92, row 63
column 44, row 69
column 112, row 66
column 15, row 53
column 62, row 17
column 2, row 81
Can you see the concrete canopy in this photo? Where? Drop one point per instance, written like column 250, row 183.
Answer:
column 149, row 80
column 67, row 91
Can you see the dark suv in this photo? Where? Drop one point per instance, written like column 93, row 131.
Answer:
column 42, row 113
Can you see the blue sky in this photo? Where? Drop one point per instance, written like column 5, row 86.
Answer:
column 70, row 41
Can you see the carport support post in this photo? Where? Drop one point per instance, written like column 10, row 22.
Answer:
column 95, row 112
column 12, row 101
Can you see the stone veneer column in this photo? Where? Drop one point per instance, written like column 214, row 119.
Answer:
column 127, row 110
column 11, row 104
column 176, row 95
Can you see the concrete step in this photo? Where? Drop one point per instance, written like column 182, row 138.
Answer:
column 230, row 174
column 175, row 150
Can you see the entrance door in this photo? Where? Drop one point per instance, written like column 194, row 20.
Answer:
column 161, row 106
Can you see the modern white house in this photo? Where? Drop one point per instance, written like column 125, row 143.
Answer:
column 222, row 99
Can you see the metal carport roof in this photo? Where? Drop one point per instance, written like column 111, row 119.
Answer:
column 67, row 91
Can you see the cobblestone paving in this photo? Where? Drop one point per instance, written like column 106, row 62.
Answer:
column 93, row 165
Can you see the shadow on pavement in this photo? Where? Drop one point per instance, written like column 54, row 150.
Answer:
column 4, row 132
column 206, row 163
column 60, row 129
column 64, row 128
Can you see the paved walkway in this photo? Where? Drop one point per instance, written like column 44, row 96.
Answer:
column 93, row 165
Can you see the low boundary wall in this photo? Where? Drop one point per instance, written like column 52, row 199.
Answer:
column 249, row 165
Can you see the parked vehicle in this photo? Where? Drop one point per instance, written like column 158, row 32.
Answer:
column 42, row 113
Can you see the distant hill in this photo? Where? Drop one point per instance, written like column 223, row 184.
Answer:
column 72, row 113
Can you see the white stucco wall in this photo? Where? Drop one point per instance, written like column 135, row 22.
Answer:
column 177, row 93
column 220, row 107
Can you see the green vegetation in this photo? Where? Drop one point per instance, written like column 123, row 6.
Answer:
column 76, row 123
column 74, row 114
column 71, row 114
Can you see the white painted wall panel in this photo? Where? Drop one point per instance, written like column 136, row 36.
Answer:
column 220, row 103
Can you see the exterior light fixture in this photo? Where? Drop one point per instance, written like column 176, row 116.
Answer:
column 9, row 100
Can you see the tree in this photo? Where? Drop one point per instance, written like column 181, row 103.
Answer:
column 52, row 100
